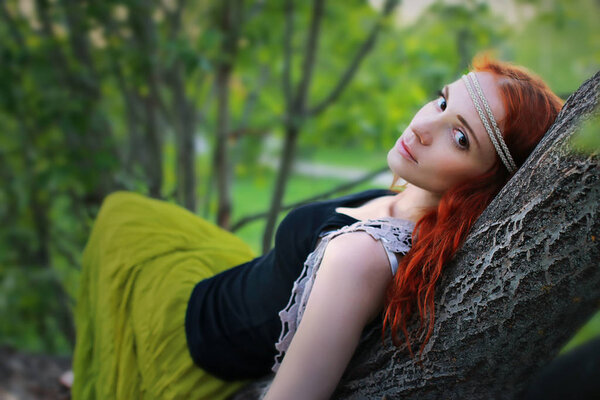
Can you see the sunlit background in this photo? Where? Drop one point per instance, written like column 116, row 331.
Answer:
column 186, row 101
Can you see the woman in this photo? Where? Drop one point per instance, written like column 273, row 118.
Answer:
column 162, row 314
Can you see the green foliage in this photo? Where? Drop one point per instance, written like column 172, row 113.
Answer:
column 587, row 138
column 29, row 306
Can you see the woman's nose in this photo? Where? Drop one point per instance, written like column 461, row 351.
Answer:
column 424, row 130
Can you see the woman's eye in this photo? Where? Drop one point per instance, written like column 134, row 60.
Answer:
column 441, row 102
column 461, row 140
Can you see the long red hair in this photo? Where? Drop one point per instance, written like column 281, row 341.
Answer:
column 531, row 108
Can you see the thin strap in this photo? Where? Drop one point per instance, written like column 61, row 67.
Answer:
column 393, row 259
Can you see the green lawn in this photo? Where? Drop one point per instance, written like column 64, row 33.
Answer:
column 348, row 157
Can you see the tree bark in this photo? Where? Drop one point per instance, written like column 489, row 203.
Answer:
column 525, row 280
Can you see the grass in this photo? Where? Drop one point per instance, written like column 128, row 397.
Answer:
column 348, row 157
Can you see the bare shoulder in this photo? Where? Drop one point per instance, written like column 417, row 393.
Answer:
column 358, row 253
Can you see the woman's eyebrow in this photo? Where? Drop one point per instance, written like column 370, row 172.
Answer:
column 446, row 92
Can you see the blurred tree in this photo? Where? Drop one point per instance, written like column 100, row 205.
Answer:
column 63, row 66
column 297, row 109
column 230, row 16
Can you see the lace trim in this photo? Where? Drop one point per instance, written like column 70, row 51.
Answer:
column 395, row 236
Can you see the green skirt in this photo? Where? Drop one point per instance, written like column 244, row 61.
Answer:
column 141, row 262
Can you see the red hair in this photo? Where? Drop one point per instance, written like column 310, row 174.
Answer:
column 531, row 108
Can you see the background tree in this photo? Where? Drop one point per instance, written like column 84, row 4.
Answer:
column 297, row 108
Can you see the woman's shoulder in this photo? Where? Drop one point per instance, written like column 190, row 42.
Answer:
column 373, row 242
column 357, row 251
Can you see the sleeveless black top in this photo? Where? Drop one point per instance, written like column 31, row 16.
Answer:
column 232, row 321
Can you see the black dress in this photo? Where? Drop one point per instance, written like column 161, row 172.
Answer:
column 232, row 321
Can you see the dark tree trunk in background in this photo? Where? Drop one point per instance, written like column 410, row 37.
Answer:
column 185, row 117
column 230, row 20
column 80, row 78
column 153, row 147
column 145, row 35
column 526, row 279
column 221, row 165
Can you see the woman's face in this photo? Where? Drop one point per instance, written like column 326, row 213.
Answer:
column 446, row 142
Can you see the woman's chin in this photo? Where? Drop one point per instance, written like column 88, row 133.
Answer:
column 395, row 162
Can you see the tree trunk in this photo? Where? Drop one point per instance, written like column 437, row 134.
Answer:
column 525, row 280
column 285, row 169
column 230, row 17
column 184, row 132
column 153, row 158
column 220, row 159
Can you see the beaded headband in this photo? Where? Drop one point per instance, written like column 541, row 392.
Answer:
column 494, row 134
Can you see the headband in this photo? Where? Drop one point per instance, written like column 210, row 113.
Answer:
column 494, row 134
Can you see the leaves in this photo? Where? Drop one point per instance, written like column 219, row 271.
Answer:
column 587, row 139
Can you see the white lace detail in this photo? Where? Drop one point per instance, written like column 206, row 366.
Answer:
column 395, row 236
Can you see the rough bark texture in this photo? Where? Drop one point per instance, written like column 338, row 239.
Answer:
column 525, row 280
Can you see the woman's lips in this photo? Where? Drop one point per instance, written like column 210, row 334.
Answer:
column 405, row 151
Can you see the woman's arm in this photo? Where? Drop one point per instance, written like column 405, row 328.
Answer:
column 348, row 292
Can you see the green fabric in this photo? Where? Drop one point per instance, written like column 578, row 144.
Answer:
column 140, row 265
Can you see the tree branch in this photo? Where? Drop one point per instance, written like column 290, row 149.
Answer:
column 287, row 54
column 355, row 63
column 309, row 57
column 341, row 188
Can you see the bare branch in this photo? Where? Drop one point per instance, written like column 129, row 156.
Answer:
column 325, row 195
column 309, row 56
column 355, row 63
column 287, row 54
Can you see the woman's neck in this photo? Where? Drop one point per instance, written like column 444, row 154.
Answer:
column 413, row 202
